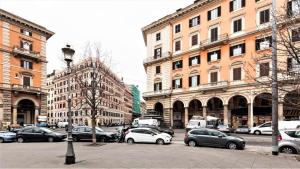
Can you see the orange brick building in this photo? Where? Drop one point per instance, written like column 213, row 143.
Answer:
column 207, row 58
column 23, row 67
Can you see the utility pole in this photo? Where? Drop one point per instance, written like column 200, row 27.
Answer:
column 274, row 83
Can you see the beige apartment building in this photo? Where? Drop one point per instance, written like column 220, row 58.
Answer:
column 115, row 107
column 208, row 59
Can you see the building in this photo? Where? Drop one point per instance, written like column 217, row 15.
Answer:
column 143, row 108
column 136, row 109
column 23, row 66
column 114, row 108
column 207, row 58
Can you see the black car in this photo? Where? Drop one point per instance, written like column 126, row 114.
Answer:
column 32, row 133
column 85, row 133
column 213, row 138
column 163, row 130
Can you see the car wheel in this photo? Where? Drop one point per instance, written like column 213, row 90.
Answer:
column 20, row 140
column 192, row 143
column 1, row 140
column 257, row 132
column 50, row 139
column 160, row 142
column 75, row 139
column 102, row 139
column 288, row 150
column 232, row 146
column 130, row 141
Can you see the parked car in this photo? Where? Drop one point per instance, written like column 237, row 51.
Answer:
column 225, row 128
column 6, row 136
column 289, row 141
column 162, row 130
column 39, row 134
column 62, row 124
column 146, row 135
column 213, row 138
column 242, row 129
column 266, row 128
column 136, row 122
column 85, row 133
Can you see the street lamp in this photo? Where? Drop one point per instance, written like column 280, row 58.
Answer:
column 70, row 155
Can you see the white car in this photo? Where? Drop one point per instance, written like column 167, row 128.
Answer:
column 146, row 135
column 266, row 128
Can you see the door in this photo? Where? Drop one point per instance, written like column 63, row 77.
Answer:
column 266, row 128
column 201, row 137
column 87, row 134
column 20, row 118
column 150, row 137
column 28, row 134
column 215, row 140
column 38, row 135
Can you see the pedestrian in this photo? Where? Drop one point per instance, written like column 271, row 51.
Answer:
column 8, row 128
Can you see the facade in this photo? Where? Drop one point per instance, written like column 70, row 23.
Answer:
column 128, row 102
column 207, row 58
column 23, row 67
column 143, row 108
column 114, row 106
column 136, row 100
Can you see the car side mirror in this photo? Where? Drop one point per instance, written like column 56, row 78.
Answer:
column 220, row 136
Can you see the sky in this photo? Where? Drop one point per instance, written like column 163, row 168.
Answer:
column 114, row 24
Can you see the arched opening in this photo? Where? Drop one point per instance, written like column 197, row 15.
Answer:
column 178, row 114
column 215, row 108
column 291, row 105
column 262, row 109
column 195, row 109
column 25, row 112
column 238, row 111
column 159, row 108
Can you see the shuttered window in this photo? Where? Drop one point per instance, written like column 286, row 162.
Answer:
column 195, row 60
column 213, row 56
column 158, row 86
column 177, row 83
column 177, row 28
column 237, row 25
column 213, row 77
column 236, row 4
column 264, row 16
column 214, row 34
column 26, row 64
column 157, row 69
column 194, row 81
column 157, row 53
column 214, row 13
column 158, row 37
column 194, row 40
column 194, row 21
column 177, row 64
column 237, row 49
column 296, row 35
column 263, row 43
column 237, row 73
column 26, row 81
column 264, row 69
column 177, row 45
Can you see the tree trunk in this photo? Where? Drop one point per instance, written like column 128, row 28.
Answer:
column 94, row 139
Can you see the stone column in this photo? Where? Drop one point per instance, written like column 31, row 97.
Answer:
column 250, row 115
column 171, row 116
column 280, row 111
column 225, row 114
column 14, row 116
column 36, row 114
column 186, row 116
column 204, row 111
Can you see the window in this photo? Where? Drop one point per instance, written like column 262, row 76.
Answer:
column 158, row 86
column 177, row 83
column 177, row 28
column 264, row 16
column 237, row 25
column 157, row 69
column 26, row 80
column 213, row 56
column 177, row 46
column 25, row 32
column 293, row 8
column 194, row 81
column 157, row 53
column 214, row 77
column 26, row 64
column 214, row 13
column 237, row 73
column 236, row 4
column 177, row 64
column 214, row 34
column 194, row 40
column 263, row 43
column 26, row 45
column 158, row 37
column 296, row 35
column 292, row 65
column 237, row 50
column 199, row 132
column 266, row 125
column 195, row 60
column 294, row 133
column 264, row 69
column 194, row 21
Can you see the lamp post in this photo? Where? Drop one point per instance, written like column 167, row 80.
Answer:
column 70, row 155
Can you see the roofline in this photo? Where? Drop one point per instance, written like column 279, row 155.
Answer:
column 179, row 12
column 4, row 15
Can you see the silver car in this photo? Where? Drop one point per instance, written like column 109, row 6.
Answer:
column 289, row 141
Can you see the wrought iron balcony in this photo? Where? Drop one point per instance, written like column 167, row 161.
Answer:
column 17, row 51
column 164, row 56
column 28, row 89
column 219, row 40
column 214, row 86
column 156, row 93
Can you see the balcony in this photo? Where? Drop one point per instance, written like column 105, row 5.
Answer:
column 5, row 86
column 157, row 93
column 28, row 89
column 214, row 86
column 151, row 60
column 17, row 51
column 220, row 40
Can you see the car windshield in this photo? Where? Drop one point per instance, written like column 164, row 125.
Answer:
column 193, row 123
column 155, row 131
column 46, row 130
column 99, row 129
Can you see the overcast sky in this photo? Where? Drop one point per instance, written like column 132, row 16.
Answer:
column 116, row 24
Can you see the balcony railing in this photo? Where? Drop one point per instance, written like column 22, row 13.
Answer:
column 157, row 93
column 214, row 86
column 212, row 42
column 164, row 55
column 24, row 88
column 17, row 51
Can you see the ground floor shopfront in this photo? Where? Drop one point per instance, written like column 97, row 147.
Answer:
column 250, row 106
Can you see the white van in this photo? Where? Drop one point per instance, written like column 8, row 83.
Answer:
column 151, row 122
column 62, row 124
column 266, row 128
column 193, row 124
